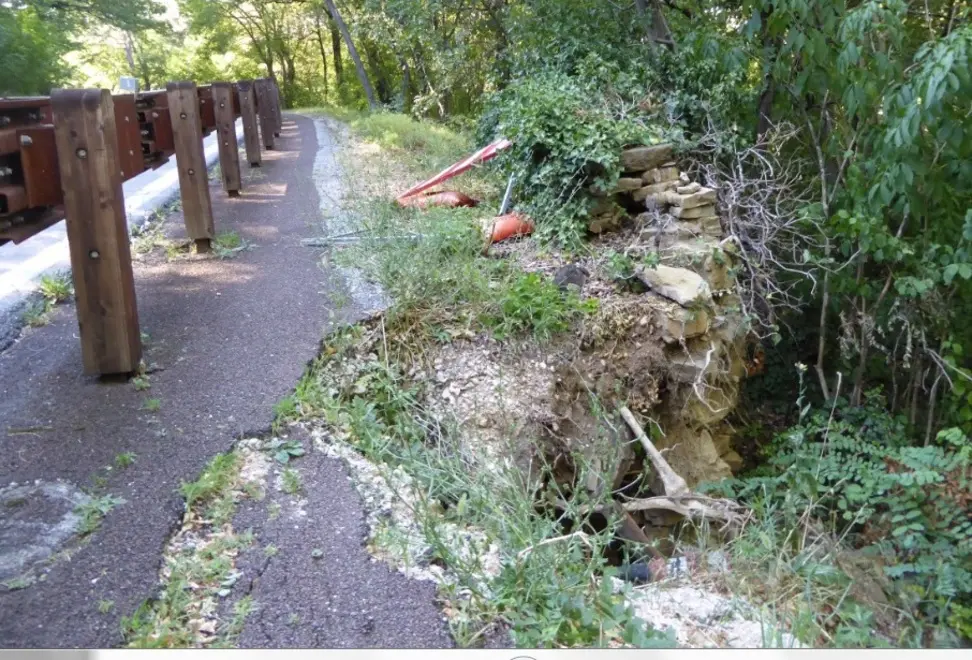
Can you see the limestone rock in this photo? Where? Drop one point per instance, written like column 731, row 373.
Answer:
column 690, row 254
column 699, row 228
column 643, row 193
column 723, row 445
column 598, row 224
column 627, row 184
column 716, row 271
column 660, row 175
column 603, row 205
column 690, row 365
column 691, row 213
column 639, row 159
column 693, row 455
column 701, row 198
column 678, row 284
column 715, row 405
column 688, row 189
column 664, row 235
column 677, row 323
column 728, row 327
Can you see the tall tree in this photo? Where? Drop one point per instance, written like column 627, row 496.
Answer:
column 353, row 53
column 320, row 44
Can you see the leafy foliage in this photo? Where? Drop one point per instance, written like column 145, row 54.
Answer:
column 566, row 139
column 537, row 305
column 284, row 450
column 855, row 470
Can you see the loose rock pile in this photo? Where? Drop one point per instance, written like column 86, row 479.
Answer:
column 696, row 310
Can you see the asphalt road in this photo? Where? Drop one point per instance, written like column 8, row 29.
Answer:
column 229, row 338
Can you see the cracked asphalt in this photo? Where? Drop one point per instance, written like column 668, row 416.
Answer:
column 321, row 589
column 228, row 338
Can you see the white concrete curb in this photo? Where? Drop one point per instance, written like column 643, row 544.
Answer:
column 21, row 266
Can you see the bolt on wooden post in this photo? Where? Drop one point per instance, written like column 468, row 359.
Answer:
column 268, row 124
column 251, row 134
column 197, row 206
column 91, row 179
column 229, row 152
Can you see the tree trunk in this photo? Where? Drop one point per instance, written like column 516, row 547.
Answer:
column 290, row 78
column 764, row 118
column 406, row 86
column 130, row 54
column 320, row 44
column 494, row 11
column 382, row 86
column 658, row 31
column 336, row 54
column 353, row 52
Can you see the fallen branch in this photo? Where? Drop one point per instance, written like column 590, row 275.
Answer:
column 672, row 482
column 693, row 506
column 327, row 241
column 678, row 498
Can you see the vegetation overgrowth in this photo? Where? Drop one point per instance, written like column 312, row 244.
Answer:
column 837, row 133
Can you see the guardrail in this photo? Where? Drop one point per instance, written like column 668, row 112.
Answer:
column 64, row 157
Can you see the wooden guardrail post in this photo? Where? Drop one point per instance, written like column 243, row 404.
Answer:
column 197, row 207
column 268, row 124
column 251, row 134
column 277, row 114
column 229, row 151
column 101, row 262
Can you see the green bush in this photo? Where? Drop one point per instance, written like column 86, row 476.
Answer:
column 854, row 470
column 567, row 136
column 534, row 304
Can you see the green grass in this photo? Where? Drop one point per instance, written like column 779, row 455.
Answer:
column 218, row 478
column 53, row 289
column 141, row 383
column 56, row 288
column 291, row 481
column 229, row 244
column 431, row 262
column 152, row 405
column 402, row 135
column 243, row 608
column 151, row 234
column 105, row 606
column 93, row 512
column 549, row 588
column 270, row 551
column 443, row 287
column 125, row 460
column 35, row 315
column 550, row 591
column 165, row 622
column 19, row 582
column 797, row 572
